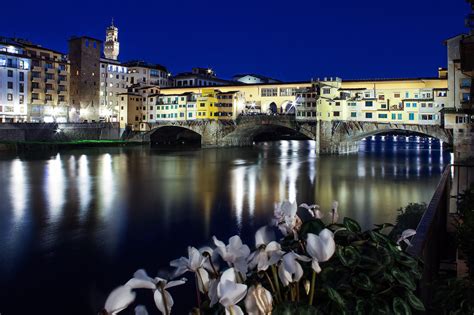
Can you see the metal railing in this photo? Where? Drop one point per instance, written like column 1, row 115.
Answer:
column 430, row 242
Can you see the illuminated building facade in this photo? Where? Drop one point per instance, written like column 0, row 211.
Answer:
column 14, row 82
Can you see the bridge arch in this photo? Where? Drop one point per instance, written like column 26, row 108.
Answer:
column 427, row 132
column 174, row 135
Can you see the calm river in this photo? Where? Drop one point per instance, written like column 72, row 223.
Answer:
column 76, row 224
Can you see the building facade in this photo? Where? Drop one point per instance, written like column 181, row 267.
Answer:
column 15, row 69
column 49, row 81
column 84, row 56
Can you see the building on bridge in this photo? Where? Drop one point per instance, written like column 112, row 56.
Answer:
column 198, row 77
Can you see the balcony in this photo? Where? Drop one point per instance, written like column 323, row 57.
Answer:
column 36, row 90
column 50, row 70
column 62, row 72
column 37, row 101
column 50, row 81
column 63, row 92
column 36, row 79
column 37, row 68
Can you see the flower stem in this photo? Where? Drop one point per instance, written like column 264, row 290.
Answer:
column 277, row 284
column 198, row 295
column 213, row 268
column 271, row 284
column 313, row 283
column 297, row 284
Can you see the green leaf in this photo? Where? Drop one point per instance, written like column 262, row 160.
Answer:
column 400, row 307
column 348, row 255
column 415, row 302
column 351, row 225
column 336, row 297
column 362, row 281
column 404, row 279
column 360, row 307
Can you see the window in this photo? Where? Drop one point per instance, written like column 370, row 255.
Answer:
column 396, row 95
column 22, row 76
column 21, row 88
column 326, row 91
column 414, row 105
column 466, row 97
column 400, row 116
column 10, row 85
column 465, row 83
column 287, row 92
column 394, row 116
column 34, row 96
column 411, row 116
column 10, row 73
column 353, row 114
column 10, row 97
column 368, row 115
column 369, row 103
column 382, row 115
column 381, row 97
column 22, row 99
column 49, row 97
column 336, row 114
column 407, row 94
column 269, row 92
column 407, row 104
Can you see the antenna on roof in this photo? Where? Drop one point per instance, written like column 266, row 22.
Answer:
column 112, row 24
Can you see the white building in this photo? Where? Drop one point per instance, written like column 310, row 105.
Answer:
column 14, row 78
column 113, row 81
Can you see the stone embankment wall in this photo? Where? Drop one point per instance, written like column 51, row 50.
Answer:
column 58, row 132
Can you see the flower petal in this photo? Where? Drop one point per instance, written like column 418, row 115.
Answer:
column 160, row 302
column 175, row 283
column 233, row 310
column 135, row 283
column 231, row 293
column 140, row 310
column 119, row 299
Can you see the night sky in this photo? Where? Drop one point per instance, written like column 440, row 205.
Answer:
column 288, row 40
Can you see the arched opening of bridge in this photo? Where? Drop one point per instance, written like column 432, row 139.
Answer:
column 289, row 108
column 276, row 133
column 175, row 136
column 273, row 108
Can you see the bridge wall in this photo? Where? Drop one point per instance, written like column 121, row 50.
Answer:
column 50, row 132
column 332, row 137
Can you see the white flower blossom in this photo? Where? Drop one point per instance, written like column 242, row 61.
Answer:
column 406, row 235
column 231, row 293
column 193, row 263
column 235, row 254
column 290, row 270
column 163, row 300
column 320, row 247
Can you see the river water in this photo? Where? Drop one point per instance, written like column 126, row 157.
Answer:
column 75, row 224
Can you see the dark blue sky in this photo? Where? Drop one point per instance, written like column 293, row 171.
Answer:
column 289, row 40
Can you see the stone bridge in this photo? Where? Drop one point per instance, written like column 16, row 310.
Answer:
column 331, row 137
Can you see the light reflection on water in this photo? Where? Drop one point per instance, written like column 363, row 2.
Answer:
column 99, row 214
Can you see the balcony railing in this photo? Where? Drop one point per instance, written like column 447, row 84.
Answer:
column 430, row 242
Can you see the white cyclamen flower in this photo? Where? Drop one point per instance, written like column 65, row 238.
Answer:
column 290, row 270
column 320, row 247
column 285, row 215
column 231, row 293
column 119, row 299
column 163, row 300
column 235, row 254
column 405, row 236
column 193, row 263
column 268, row 251
column 258, row 301
column 313, row 210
